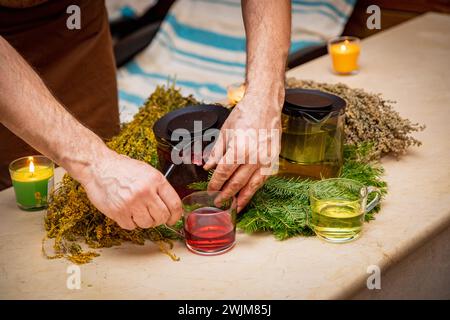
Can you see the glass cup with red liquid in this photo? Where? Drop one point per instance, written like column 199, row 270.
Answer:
column 209, row 222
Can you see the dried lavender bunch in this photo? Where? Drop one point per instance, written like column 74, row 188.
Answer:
column 369, row 118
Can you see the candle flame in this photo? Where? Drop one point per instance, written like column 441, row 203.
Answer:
column 343, row 47
column 31, row 166
column 236, row 94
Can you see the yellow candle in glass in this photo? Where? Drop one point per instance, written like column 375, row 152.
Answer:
column 344, row 52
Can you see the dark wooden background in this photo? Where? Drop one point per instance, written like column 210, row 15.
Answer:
column 393, row 12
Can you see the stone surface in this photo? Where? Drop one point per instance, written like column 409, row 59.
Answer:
column 410, row 64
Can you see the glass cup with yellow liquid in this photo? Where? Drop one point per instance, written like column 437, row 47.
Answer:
column 338, row 207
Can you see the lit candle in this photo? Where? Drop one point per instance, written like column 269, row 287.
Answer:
column 235, row 93
column 344, row 52
column 32, row 179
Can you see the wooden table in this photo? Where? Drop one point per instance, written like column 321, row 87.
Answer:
column 409, row 240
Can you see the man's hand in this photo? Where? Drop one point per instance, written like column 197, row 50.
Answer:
column 247, row 148
column 268, row 29
column 131, row 192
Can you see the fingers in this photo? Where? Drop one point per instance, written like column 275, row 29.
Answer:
column 238, row 180
column 247, row 192
column 158, row 210
column 139, row 212
column 224, row 170
column 125, row 222
column 133, row 194
column 154, row 206
column 216, row 153
column 153, row 214
column 172, row 201
column 222, row 173
column 142, row 218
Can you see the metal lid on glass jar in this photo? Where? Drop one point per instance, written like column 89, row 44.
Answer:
column 313, row 103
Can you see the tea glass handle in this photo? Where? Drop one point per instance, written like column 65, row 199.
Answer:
column 180, row 233
column 376, row 200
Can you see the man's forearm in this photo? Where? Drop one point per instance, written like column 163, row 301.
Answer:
column 128, row 191
column 29, row 110
column 268, row 29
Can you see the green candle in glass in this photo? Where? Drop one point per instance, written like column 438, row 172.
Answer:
column 32, row 179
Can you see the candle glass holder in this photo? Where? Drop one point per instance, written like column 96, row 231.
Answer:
column 344, row 53
column 33, row 182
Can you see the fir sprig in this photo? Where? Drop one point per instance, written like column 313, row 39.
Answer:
column 282, row 205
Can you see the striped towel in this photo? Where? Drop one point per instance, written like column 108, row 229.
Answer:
column 201, row 46
column 127, row 8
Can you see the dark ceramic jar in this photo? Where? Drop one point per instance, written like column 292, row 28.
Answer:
column 196, row 125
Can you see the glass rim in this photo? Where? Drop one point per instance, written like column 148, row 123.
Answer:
column 211, row 195
column 343, row 38
column 361, row 185
column 42, row 157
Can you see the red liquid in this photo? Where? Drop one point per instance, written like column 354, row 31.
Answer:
column 209, row 230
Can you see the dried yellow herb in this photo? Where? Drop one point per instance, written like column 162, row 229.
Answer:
column 71, row 217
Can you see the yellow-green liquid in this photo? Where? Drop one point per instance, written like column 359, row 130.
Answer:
column 337, row 220
column 303, row 147
column 314, row 155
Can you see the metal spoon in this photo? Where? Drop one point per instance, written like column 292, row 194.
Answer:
column 166, row 175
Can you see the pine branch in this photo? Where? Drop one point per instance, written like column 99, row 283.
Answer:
column 282, row 205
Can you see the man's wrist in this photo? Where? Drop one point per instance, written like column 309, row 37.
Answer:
column 266, row 91
column 83, row 165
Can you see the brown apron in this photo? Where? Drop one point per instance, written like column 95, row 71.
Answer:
column 77, row 65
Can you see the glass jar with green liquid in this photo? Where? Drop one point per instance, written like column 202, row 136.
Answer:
column 313, row 134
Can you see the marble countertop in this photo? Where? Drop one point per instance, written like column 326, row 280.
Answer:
column 410, row 64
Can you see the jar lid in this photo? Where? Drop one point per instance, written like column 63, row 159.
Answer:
column 314, row 103
column 211, row 116
column 187, row 121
